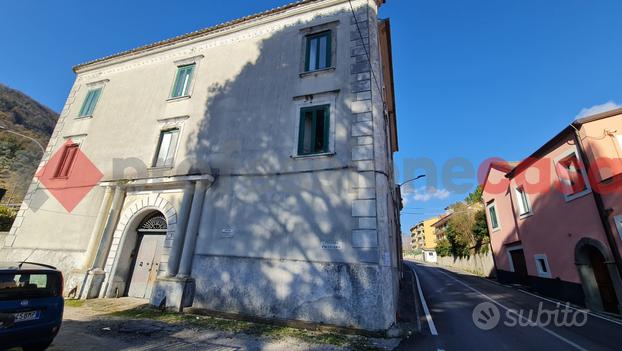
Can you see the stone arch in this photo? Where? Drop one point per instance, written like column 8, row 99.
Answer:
column 124, row 239
column 591, row 288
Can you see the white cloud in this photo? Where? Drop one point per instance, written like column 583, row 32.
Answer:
column 423, row 194
column 607, row 106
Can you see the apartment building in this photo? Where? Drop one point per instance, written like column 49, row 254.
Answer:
column 423, row 237
column 245, row 168
column 555, row 219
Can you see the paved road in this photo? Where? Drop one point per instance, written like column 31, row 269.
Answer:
column 451, row 298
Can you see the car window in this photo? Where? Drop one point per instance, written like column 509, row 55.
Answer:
column 17, row 285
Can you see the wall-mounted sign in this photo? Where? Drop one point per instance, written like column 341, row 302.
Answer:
column 227, row 232
column 331, row 245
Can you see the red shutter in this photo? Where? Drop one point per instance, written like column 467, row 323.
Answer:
column 64, row 166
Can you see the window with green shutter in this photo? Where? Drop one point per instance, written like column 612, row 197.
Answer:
column 318, row 53
column 88, row 106
column 314, row 129
column 182, row 80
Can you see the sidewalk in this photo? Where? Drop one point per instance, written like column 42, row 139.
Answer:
column 128, row 324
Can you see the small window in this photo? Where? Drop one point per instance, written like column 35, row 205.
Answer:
column 570, row 175
column 542, row 266
column 492, row 213
column 88, row 106
column 183, row 80
column 166, row 148
column 523, row 201
column 313, row 130
column 66, row 161
column 318, row 53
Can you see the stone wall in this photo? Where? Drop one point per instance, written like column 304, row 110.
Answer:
column 480, row 264
column 321, row 292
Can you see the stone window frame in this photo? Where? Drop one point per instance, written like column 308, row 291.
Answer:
column 312, row 100
column 164, row 125
column 304, row 33
column 194, row 60
column 91, row 86
column 77, row 140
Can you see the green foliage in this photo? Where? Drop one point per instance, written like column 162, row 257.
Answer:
column 7, row 216
column 467, row 230
column 480, row 232
column 475, row 197
column 443, row 248
column 19, row 156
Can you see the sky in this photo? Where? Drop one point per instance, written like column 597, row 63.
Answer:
column 474, row 79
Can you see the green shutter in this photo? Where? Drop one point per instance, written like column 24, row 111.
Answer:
column 326, row 127
column 183, row 77
column 88, row 107
column 313, row 133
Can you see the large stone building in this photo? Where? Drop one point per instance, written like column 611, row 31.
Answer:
column 244, row 168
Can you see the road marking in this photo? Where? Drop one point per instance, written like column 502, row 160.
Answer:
column 569, row 306
column 550, row 332
column 428, row 316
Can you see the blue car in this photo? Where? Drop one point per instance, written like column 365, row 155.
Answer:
column 31, row 305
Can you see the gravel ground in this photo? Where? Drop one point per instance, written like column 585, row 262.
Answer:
column 93, row 326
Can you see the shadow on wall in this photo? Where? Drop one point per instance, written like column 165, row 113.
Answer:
column 275, row 233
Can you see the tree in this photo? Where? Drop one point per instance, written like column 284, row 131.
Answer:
column 443, row 248
column 480, row 232
column 475, row 197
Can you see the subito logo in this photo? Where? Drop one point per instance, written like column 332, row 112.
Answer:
column 69, row 175
column 486, row 316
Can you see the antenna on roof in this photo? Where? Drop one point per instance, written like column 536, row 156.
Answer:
column 26, row 259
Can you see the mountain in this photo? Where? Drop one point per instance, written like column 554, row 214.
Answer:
column 19, row 156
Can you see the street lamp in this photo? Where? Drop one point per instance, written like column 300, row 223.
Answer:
column 24, row 136
column 412, row 180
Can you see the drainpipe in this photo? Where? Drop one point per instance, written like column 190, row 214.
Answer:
column 600, row 205
column 185, row 265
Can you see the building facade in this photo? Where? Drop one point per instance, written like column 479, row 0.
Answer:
column 424, row 238
column 555, row 218
column 244, row 168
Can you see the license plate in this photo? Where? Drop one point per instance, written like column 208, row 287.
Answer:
column 26, row 316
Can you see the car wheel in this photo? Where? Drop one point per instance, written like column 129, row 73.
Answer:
column 39, row 346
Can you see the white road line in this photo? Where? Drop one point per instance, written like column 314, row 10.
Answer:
column 550, row 332
column 574, row 308
column 428, row 316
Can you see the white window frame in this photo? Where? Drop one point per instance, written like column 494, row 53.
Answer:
column 565, row 154
column 510, row 249
column 519, row 191
column 488, row 206
column 541, row 273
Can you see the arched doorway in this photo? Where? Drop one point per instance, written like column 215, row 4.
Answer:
column 598, row 275
column 151, row 233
